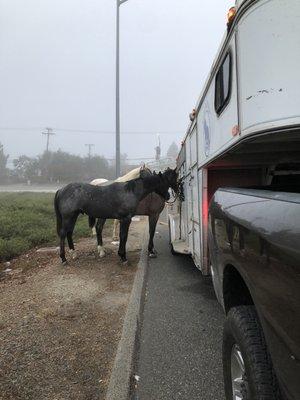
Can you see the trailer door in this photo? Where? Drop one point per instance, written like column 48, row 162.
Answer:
column 189, row 195
column 195, row 215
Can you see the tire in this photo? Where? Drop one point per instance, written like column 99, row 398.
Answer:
column 247, row 364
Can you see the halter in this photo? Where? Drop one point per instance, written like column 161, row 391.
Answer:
column 175, row 198
column 177, row 195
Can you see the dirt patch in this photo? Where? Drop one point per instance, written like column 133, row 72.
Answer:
column 60, row 326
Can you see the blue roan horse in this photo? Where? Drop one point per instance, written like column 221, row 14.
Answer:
column 117, row 201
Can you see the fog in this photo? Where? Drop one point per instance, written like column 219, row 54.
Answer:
column 57, row 69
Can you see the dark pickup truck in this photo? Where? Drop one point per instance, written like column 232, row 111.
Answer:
column 254, row 245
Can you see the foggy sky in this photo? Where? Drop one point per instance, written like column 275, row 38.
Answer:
column 57, row 69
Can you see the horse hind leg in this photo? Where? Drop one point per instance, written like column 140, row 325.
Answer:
column 71, row 245
column 70, row 241
column 62, row 253
column 99, row 228
column 67, row 231
column 92, row 225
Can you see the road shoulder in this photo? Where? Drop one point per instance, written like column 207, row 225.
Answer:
column 121, row 375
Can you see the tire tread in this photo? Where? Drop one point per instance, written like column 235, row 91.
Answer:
column 243, row 324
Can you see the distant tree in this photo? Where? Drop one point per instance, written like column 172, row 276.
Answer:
column 96, row 167
column 3, row 165
column 26, row 168
column 65, row 167
column 61, row 166
column 172, row 151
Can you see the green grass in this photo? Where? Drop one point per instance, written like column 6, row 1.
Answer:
column 28, row 220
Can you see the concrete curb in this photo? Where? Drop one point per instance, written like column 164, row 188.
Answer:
column 121, row 375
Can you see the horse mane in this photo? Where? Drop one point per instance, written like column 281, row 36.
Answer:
column 133, row 174
column 130, row 185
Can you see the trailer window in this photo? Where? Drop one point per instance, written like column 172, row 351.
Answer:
column 223, row 85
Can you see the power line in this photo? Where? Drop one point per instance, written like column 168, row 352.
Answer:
column 93, row 131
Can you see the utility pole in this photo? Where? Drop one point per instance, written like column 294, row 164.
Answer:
column 158, row 149
column 90, row 145
column 48, row 133
column 118, row 152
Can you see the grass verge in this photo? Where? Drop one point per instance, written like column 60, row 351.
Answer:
column 28, row 220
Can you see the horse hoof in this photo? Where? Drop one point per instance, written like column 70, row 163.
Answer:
column 73, row 254
column 101, row 251
column 124, row 263
column 64, row 263
column 152, row 255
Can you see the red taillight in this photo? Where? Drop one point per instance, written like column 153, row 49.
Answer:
column 205, row 212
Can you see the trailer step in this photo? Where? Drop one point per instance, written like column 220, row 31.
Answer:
column 181, row 247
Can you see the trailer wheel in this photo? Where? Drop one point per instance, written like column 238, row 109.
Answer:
column 247, row 366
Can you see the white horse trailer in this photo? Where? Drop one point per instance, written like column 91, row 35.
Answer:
column 246, row 127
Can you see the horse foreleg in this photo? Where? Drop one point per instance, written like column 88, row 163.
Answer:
column 153, row 218
column 99, row 228
column 115, row 231
column 124, row 227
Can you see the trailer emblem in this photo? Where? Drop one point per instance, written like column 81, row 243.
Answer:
column 206, row 131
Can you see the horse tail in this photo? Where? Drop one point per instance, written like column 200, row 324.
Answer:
column 58, row 214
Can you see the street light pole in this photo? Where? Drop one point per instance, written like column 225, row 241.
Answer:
column 118, row 152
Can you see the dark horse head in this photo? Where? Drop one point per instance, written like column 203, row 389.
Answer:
column 144, row 172
column 168, row 179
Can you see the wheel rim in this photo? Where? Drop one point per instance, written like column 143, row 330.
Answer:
column 238, row 376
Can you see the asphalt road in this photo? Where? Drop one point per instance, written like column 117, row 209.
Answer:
column 180, row 344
